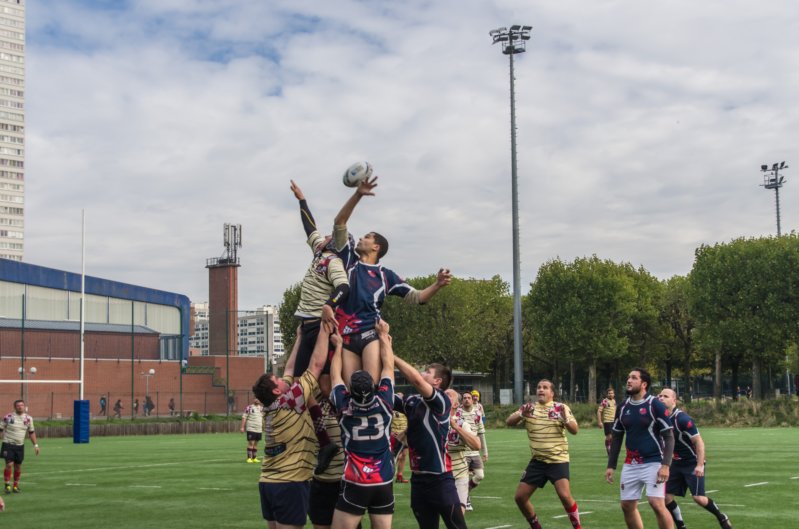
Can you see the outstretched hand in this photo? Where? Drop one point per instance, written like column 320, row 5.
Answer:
column 443, row 277
column 297, row 191
column 366, row 186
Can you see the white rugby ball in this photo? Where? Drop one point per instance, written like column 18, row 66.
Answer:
column 357, row 172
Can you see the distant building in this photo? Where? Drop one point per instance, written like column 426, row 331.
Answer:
column 258, row 332
column 12, row 129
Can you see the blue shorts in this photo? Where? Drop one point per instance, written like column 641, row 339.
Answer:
column 682, row 480
column 285, row 503
column 434, row 496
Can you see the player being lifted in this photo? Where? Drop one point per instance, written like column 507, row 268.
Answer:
column 14, row 427
column 324, row 286
column 370, row 283
column 687, row 471
column 547, row 422
column 365, row 419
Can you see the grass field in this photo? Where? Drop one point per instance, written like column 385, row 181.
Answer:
column 201, row 481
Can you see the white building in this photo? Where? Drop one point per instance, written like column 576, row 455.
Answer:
column 253, row 326
column 12, row 128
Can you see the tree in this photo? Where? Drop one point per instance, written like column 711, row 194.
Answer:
column 675, row 315
column 581, row 312
column 288, row 323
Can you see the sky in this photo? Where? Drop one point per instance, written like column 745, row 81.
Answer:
column 641, row 129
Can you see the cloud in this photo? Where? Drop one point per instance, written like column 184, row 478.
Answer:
column 641, row 129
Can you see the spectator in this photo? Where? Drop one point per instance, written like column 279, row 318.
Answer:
column 103, row 404
column 118, row 409
column 171, row 406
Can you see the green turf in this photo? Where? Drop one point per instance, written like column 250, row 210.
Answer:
column 201, row 481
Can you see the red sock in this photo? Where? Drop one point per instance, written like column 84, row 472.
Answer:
column 7, row 474
column 17, row 473
column 574, row 516
column 534, row 523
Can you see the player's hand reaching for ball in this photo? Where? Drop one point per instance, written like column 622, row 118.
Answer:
column 443, row 277
column 366, row 186
column 297, row 191
column 527, row 409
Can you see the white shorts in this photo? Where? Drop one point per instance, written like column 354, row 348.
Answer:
column 462, row 486
column 635, row 477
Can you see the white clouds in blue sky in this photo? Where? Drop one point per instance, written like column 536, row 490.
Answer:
column 641, row 128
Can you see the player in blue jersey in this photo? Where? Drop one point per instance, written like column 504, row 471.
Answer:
column 370, row 282
column 433, row 492
column 687, row 472
column 650, row 445
column 365, row 422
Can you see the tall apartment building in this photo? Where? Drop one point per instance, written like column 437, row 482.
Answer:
column 254, row 335
column 12, row 128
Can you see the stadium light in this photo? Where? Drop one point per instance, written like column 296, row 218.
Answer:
column 513, row 41
column 772, row 179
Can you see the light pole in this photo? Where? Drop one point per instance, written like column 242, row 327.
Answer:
column 513, row 40
column 21, row 371
column 773, row 180
column 147, row 376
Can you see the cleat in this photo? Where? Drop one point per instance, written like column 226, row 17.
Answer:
column 326, row 455
column 256, row 460
column 8, row 488
column 401, row 479
column 249, row 460
column 725, row 522
column 469, row 506
column 15, row 490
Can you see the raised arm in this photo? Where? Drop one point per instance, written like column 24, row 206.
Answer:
column 443, row 278
column 320, row 351
column 364, row 189
column 308, row 222
column 518, row 416
column 288, row 370
column 336, row 362
column 386, row 350
column 414, row 378
column 471, row 440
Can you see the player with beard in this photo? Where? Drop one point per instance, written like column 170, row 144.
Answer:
column 687, row 472
column 650, row 445
column 461, row 440
column 365, row 419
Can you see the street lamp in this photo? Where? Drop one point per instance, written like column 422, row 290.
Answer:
column 513, row 40
column 147, row 376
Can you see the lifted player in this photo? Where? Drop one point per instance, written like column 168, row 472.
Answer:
column 687, row 472
column 370, row 283
column 13, row 428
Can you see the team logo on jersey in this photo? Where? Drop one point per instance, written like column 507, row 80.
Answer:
column 690, row 424
column 642, row 411
column 668, row 412
column 371, row 273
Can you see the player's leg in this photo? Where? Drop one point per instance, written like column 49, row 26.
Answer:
column 381, row 521
column 345, row 520
column 631, row 515
column 631, row 484
column 675, row 486
column 522, row 498
column 7, row 470
column 370, row 359
column 563, row 490
column 350, row 363
column 19, row 456
column 476, row 476
column 608, row 429
column 697, row 487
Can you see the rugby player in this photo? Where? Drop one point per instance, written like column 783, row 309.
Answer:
column 471, row 412
column 650, row 444
column 289, row 442
column 547, row 422
column 365, row 419
column 13, row 428
column 326, row 483
column 370, row 283
column 460, row 441
column 252, row 423
column 687, row 472
column 605, row 414
column 433, row 492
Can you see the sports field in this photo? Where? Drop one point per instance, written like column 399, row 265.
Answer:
column 202, row 481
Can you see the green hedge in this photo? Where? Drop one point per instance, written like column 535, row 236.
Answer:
column 740, row 413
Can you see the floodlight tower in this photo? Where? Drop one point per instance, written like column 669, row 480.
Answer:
column 773, row 180
column 513, row 40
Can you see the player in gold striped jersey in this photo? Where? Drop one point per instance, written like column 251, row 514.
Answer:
column 547, row 422
column 605, row 415
column 461, row 440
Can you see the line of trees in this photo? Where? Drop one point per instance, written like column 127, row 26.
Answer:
column 735, row 314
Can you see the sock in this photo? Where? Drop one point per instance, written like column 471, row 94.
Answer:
column 472, row 484
column 534, row 523
column 17, row 473
column 712, row 507
column 7, row 475
column 319, row 425
column 574, row 516
column 674, row 509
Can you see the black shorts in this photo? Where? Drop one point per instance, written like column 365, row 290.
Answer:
column 358, row 342
column 434, row 496
column 682, row 480
column 538, row 473
column 13, row 453
column 608, row 426
column 309, row 332
column 285, row 503
column 324, row 495
column 357, row 499
column 253, row 436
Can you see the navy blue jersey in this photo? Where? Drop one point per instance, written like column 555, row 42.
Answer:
column 366, row 435
column 428, row 427
column 642, row 421
column 369, row 286
column 684, row 430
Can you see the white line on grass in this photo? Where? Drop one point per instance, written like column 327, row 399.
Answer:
column 566, row 515
column 757, row 484
column 80, row 484
column 488, row 497
column 151, row 465
column 213, row 488
column 795, row 477
column 499, row 527
column 145, row 486
column 711, row 491
column 601, row 501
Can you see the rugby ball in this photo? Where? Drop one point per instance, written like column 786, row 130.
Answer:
column 357, row 172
